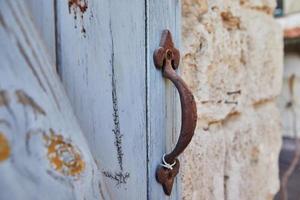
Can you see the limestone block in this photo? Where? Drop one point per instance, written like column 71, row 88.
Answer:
column 232, row 61
column 211, row 58
column 235, row 159
column 266, row 6
column 253, row 142
column 263, row 58
column 202, row 166
column 199, row 7
column 232, row 57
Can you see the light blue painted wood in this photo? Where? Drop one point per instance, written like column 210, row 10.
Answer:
column 163, row 113
column 126, row 109
column 43, row 15
column 35, row 114
column 106, row 66
column 102, row 65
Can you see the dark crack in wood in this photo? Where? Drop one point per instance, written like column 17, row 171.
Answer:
column 116, row 131
column 119, row 177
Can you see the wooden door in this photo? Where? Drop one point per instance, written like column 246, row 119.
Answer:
column 127, row 111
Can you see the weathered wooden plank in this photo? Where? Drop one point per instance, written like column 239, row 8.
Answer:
column 102, row 65
column 43, row 15
column 163, row 112
column 43, row 153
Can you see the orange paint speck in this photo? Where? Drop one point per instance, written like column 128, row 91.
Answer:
column 4, row 148
column 63, row 156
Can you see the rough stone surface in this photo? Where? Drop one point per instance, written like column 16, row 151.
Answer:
column 202, row 166
column 232, row 59
column 253, row 143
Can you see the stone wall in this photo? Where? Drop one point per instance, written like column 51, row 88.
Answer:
column 232, row 59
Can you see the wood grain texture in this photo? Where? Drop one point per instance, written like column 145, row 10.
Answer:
column 43, row 153
column 102, row 65
column 162, row 98
column 43, row 15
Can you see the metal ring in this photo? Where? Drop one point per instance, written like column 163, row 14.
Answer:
column 167, row 165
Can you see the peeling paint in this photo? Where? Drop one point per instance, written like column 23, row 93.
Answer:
column 26, row 100
column 4, row 148
column 63, row 155
column 4, row 99
column 5, row 122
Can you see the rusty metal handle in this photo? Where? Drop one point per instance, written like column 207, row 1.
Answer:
column 166, row 57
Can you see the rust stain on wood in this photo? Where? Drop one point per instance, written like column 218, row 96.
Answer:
column 63, row 155
column 4, row 148
column 26, row 100
column 78, row 7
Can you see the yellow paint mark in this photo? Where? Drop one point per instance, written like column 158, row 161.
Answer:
column 63, row 156
column 4, row 148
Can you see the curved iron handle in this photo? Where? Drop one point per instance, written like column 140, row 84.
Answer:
column 167, row 57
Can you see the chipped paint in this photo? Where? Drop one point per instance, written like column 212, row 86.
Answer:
column 5, row 123
column 26, row 100
column 4, row 99
column 78, row 7
column 63, row 155
column 4, row 148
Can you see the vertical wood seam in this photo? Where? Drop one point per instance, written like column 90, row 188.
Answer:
column 147, row 99
column 56, row 39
